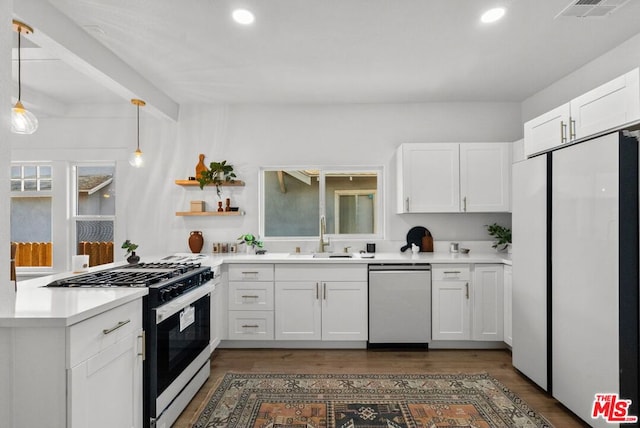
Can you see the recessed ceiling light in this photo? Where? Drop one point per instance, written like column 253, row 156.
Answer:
column 492, row 15
column 243, row 16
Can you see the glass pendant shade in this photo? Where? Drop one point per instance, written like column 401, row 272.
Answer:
column 136, row 159
column 22, row 120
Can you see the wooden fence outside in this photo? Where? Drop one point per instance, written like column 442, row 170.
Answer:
column 99, row 252
column 36, row 254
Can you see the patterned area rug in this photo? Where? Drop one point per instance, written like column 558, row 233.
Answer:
column 365, row 401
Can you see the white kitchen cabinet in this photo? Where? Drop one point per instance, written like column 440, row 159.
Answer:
column 428, row 177
column 250, row 302
column 451, row 302
column 548, row 130
column 508, row 305
column 453, row 177
column 467, row 302
column 606, row 107
column 104, row 382
column 321, row 303
column 219, row 310
column 485, row 177
column 488, row 303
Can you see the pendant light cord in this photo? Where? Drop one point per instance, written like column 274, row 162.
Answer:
column 19, row 62
column 138, row 122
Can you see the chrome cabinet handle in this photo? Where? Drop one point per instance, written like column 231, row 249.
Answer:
column 250, row 326
column 563, row 132
column 572, row 129
column 115, row 327
column 407, row 204
column 464, row 201
column 143, row 353
column 317, row 290
column 324, row 291
column 451, row 272
column 249, row 297
column 467, row 288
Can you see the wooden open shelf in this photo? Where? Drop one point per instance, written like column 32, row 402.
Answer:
column 210, row 213
column 195, row 183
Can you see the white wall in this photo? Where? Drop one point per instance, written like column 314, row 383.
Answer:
column 614, row 63
column 254, row 136
column 6, row 7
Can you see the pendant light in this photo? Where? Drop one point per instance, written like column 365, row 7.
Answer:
column 136, row 159
column 22, row 120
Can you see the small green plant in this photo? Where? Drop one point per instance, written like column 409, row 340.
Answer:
column 501, row 234
column 129, row 246
column 251, row 240
column 218, row 173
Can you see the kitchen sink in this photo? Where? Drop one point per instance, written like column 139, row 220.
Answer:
column 332, row 255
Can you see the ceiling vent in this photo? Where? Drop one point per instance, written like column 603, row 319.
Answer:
column 591, row 8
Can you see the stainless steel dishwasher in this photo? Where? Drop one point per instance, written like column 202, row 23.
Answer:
column 399, row 304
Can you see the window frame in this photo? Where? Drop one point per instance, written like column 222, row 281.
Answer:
column 325, row 171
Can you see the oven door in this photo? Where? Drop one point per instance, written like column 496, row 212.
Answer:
column 179, row 345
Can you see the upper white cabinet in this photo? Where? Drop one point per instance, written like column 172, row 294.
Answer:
column 606, row 107
column 454, row 177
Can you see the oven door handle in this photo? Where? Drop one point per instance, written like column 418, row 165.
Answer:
column 176, row 305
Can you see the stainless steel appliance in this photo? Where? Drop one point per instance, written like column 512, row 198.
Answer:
column 177, row 325
column 399, row 304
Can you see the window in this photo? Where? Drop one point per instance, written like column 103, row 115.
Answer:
column 31, row 214
column 294, row 199
column 94, row 212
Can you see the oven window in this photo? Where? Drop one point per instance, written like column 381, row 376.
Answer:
column 180, row 343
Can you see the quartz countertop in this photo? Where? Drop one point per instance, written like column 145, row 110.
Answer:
column 38, row 306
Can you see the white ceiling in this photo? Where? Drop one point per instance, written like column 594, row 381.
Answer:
column 330, row 51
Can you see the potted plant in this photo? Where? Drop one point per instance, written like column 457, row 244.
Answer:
column 501, row 234
column 218, row 173
column 131, row 248
column 251, row 241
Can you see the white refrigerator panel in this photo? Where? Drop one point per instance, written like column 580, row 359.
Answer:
column 529, row 222
column 585, row 336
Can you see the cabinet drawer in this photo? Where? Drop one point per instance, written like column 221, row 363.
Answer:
column 251, row 272
column 451, row 272
column 250, row 325
column 95, row 334
column 257, row 296
column 320, row 272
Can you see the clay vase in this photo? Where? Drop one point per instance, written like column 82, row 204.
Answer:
column 200, row 167
column 196, row 241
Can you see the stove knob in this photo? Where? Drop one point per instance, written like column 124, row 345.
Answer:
column 176, row 290
column 164, row 295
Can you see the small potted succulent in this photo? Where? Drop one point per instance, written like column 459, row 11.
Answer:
column 131, row 248
column 251, row 241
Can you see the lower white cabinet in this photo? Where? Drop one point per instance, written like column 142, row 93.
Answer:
column 218, row 314
column 508, row 305
column 467, row 302
column 250, row 302
column 321, row 303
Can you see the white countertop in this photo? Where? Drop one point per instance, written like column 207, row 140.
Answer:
column 39, row 306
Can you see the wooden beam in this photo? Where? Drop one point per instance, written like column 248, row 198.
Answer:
column 57, row 33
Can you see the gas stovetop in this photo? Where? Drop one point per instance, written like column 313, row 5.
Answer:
column 135, row 275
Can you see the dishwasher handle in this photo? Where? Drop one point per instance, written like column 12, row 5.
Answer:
column 400, row 267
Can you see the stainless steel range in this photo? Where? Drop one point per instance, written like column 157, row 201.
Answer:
column 177, row 328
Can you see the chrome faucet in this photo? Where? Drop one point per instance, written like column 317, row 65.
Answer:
column 323, row 243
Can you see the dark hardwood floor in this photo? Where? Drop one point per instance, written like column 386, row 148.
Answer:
column 495, row 362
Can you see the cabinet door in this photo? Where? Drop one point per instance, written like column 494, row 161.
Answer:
column 428, row 176
column 485, row 177
column 450, row 304
column 106, row 390
column 488, row 301
column 608, row 106
column 298, row 310
column 548, row 130
column 508, row 281
column 218, row 315
column 344, row 311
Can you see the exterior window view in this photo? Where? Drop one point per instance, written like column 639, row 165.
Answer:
column 327, row 214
